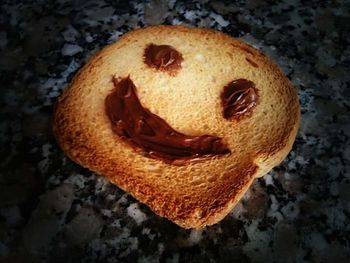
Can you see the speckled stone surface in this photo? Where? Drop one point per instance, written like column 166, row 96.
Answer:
column 52, row 210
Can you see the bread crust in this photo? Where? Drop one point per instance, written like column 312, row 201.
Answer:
column 196, row 194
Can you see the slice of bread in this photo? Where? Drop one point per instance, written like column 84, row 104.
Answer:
column 193, row 192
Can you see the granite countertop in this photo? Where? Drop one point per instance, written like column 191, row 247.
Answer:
column 52, row 210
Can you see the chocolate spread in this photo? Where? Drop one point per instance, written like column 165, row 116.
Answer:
column 163, row 57
column 143, row 129
column 238, row 97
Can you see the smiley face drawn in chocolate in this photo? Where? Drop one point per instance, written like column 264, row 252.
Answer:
column 145, row 130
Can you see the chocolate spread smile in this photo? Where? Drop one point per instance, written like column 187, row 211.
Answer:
column 144, row 130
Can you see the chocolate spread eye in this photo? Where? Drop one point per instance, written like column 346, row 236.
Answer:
column 163, row 57
column 238, row 98
column 144, row 130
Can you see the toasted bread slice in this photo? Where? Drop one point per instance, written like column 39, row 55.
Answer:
column 201, row 188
